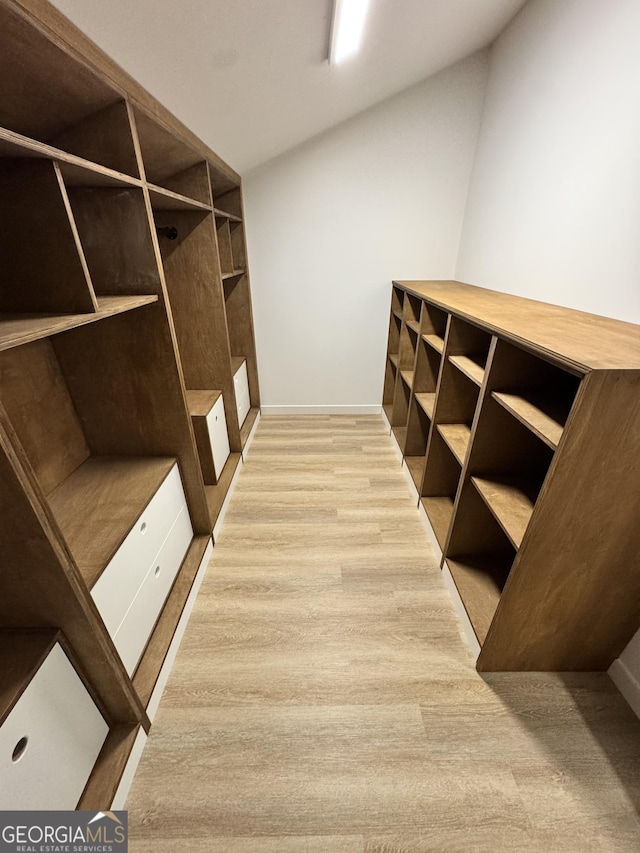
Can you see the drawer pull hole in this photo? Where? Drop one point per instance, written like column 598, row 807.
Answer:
column 19, row 749
column 156, row 571
column 143, row 527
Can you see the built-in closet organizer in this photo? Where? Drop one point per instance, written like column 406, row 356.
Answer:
column 519, row 425
column 125, row 311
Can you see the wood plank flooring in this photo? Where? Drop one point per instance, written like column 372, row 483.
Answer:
column 323, row 700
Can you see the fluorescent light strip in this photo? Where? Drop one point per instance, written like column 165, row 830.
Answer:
column 346, row 28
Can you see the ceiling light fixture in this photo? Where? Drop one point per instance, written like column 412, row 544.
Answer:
column 347, row 24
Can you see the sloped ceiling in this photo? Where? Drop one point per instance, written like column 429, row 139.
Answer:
column 251, row 77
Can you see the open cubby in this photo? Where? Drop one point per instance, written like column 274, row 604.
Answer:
column 390, row 373
column 397, row 299
column 169, row 162
column 393, row 343
column 42, row 263
column 408, row 344
column 225, row 253
column 508, row 465
column 418, row 425
column 238, row 251
column 227, row 198
column 411, row 312
column 434, row 326
column 115, row 236
column 401, row 407
column 468, row 349
column 79, row 113
column 479, row 557
column 440, row 484
column 536, row 392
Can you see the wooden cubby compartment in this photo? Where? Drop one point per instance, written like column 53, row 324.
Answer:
column 418, row 425
column 390, row 375
column 397, row 301
column 400, row 413
column 434, row 326
column 455, row 409
column 80, row 114
column 440, row 485
column 425, row 379
column 507, row 466
column 172, row 167
column 536, row 392
column 411, row 312
column 239, row 315
column 223, row 233
column 468, row 349
column 479, row 557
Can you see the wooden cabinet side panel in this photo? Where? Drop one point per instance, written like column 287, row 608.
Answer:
column 569, row 602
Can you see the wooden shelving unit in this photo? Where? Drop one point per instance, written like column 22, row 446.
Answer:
column 520, row 425
column 125, row 288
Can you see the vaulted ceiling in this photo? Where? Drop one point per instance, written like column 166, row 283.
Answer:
column 251, row 77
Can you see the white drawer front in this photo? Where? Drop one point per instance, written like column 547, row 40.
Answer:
column 131, row 638
column 64, row 733
column 117, row 586
column 241, row 384
column 217, row 426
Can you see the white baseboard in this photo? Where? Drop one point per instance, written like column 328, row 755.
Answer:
column 249, row 440
column 227, row 499
column 386, row 420
column 461, row 613
column 396, row 446
column 412, row 486
column 321, row 410
column 170, row 657
column 626, row 683
column 430, row 531
column 129, row 771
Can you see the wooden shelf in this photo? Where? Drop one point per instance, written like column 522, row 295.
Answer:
column 216, row 494
column 415, row 464
column 439, row 509
column 235, row 274
column 400, row 433
column 407, row 375
column 457, row 437
column 236, row 362
column 469, row 367
column 163, row 199
column 511, row 500
column 435, row 341
column 480, row 580
column 398, row 313
column 414, row 325
column 200, row 403
column 545, row 417
column 99, row 503
column 222, row 214
column 426, row 401
column 18, row 329
column 393, row 358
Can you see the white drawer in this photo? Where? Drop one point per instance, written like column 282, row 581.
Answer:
column 117, row 586
column 61, row 732
column 131, row 638
column 218, row 436
column 241, row 383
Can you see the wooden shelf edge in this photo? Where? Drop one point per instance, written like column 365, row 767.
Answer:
column 439, row 511
column 455, row 437
column 547, row 428
column 200, row 401
column 216, row 494
column 435, row 342
column 407, row 376
column 179, row 201
column 427, row 402
column 19, row 329
column 109, row 767
column 510, row 505
column 222, row 214
column 414, row 325
column 148, row 669
column 226, row 276
column 415, row 464
column 247, row 426
column 479, row 580
column 468, row 367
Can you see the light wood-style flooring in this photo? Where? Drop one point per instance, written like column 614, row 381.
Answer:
column 323, row 700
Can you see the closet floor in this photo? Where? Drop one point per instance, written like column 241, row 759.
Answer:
column 323, row 700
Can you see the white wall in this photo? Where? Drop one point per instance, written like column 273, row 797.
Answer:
column 330, row 223
column 554, row 205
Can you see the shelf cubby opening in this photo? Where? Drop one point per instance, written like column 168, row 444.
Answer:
column 390, row 373
column 397, row 298
column 393, row 344
column 238, row 251
column 115, row 236
column 439, row 486
column 238, row 312
column 539, row 394
column 41, row 259
column 427, row 368
column 227, row 197
column 455, row 409
column 59, row 100
column 434, row 326
column 508, row 466
column 479, row 557
column 223, row 232
column 457, row 438
column 407, row 377
column 401, row 405
column 169, row 162
column 468, row 349
column 408, row 344
column 412, row 308
column 418, row 426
